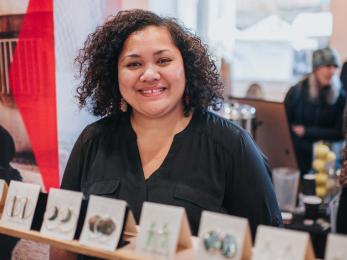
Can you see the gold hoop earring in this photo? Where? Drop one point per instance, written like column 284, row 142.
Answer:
column 123, row 105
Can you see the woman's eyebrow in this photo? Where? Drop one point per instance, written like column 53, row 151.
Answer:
column 131, row 55
column 136, row 55
column 160, row 51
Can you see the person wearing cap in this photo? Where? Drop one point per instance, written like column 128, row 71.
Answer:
column 315, row 107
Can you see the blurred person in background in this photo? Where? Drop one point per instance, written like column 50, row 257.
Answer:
column 255, row 91
column 315, row 107
column 7, row 152
column 341, row 221
column 7, row 173
column 343, row 75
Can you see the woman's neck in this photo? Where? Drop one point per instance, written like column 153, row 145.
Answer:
column 170, row 124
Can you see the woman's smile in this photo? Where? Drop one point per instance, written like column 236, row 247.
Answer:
column 152, row 91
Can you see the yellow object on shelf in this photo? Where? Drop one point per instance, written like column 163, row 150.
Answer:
column 322, row 179
column 331, row 156
column 318, row 165
column 321, row 191
column 321, row 151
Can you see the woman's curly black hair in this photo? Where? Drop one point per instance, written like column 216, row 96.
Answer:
column 98, row 60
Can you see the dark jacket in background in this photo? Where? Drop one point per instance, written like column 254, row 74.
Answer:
column 321, row 116
column 7, row 152
column 343, row 75
column 341, row 222
column 7, row 173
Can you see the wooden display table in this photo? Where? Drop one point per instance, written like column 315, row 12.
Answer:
column 125, row 253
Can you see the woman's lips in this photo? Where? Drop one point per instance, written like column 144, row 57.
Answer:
column 152, row 91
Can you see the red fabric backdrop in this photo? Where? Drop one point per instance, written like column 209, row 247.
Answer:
column 33, row 86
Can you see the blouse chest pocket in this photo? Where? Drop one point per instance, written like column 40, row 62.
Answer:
column 198, row 197
column 108, row 188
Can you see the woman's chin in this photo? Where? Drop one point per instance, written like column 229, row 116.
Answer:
column 155, row 112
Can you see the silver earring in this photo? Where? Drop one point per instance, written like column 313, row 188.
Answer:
column 53, row 215
column 12, row 208
column 67, row 217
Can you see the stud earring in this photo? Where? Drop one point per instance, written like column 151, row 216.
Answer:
column 123, row 105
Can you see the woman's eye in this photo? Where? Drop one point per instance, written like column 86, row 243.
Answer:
column 164, row 61
column 133, row 65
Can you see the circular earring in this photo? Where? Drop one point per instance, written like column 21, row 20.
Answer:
column 105, row 226
column 229, row 246
column 212, row 242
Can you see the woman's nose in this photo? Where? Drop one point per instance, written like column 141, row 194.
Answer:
column 150, row 74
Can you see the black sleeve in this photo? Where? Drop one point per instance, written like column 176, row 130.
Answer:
column 81, row 157
column 73, row 171
column 249, row 191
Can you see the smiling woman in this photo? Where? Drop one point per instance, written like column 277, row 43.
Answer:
column 153, row 82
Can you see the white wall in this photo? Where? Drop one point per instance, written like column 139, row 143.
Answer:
column 339, row 37
column 13, row 6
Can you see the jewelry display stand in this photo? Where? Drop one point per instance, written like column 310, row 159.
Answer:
column 73, row 246
column 125, row 253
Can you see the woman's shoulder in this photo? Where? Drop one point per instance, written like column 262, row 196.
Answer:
column 99, row 128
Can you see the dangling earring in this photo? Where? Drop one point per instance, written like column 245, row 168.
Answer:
column 186, row 100
column 123, row 105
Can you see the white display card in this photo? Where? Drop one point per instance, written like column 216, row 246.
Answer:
column 103, row 223
column 20, row 205
column 163, row 229
column 278, row 243
column 223, row 237
column 62, row 212
column 336, row 248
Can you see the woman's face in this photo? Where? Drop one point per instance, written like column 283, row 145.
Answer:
column 324, row 74
column 151, row 73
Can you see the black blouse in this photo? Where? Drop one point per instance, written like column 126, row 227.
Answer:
column 212, row 165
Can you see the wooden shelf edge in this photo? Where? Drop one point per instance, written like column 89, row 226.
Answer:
column 73, row 246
